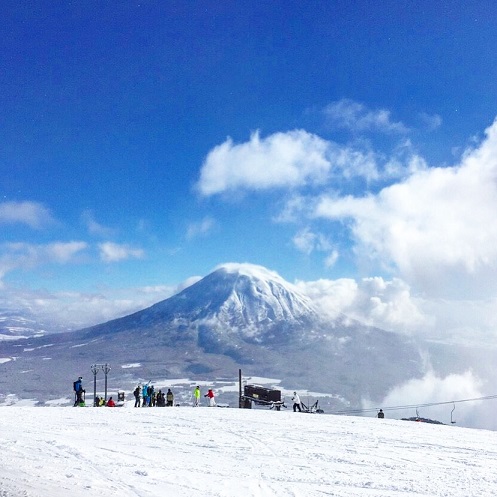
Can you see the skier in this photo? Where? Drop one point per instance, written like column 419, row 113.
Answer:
column 169, row 398
column 296, row 402
column 78, row 389
column 381, row 414
column 210, row 395
column 136, row 393
column 196, row 396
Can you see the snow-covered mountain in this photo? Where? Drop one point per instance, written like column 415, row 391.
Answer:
column 237, row 301
column 18, row 325
column 239, row 316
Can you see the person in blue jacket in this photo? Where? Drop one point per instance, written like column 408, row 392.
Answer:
column 146, row 395
column 79, row 390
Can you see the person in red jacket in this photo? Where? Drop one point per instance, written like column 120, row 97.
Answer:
column 210, row 395
column 111, row 403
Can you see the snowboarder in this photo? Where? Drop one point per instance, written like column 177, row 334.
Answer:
column 78, row 392
column 169, row 398
column 136, row 393
column 196, row 396
column 210, row 395
column 296, row 402
column 111, row 403
column 381, row 414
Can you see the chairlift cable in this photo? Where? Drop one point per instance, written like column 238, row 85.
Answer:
column 412, row 406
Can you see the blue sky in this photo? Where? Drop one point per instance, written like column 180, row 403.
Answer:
column 350, row 148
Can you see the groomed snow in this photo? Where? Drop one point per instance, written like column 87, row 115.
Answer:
column 185, row 451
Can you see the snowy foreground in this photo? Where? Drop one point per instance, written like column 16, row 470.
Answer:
column 185, row 451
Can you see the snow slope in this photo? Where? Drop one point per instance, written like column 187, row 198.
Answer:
column 182, row 451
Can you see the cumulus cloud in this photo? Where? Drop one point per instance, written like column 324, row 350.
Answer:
column 33, row 214
column 436, row 228
column 114, row 252
column 357, row 117
column 298, row 160
column 433, row 389
column 377, row 302
column 286, row 159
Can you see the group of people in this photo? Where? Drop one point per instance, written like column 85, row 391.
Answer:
column 147, row 397
column 100, row 402
column 80, row 392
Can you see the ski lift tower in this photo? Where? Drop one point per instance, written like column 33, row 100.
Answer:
column 95, row 368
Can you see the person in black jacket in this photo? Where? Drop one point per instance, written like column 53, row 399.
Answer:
column 136, row 393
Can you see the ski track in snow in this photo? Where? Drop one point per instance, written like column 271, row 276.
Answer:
column 184, row 451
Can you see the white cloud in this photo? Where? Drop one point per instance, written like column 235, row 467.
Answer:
column 437, row 228
column 432, row 389
column 114, row 252
column 290, row 159
column 298, row 159
column 62, row 252
column 307, row 242
column 200, row 228
column 431, row 121
column 93, row 227
column 33, row 214
column 331, row 258
column 304, row 241
column 385, row 304
column 26, row 255
column 75, row 310
column 349, row 162
column 355, row 116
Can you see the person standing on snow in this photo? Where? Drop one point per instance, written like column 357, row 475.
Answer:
column 78, row 389
column 145, row 395
column 296, row 402
column 196, row 396
column 381, row 414
column 169, row 398
column 136, row 393
column 210, row 395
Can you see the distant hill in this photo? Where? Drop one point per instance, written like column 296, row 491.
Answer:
column 239, row 316
column 18, row 324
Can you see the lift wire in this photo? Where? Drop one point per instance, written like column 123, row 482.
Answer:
column 411, row 406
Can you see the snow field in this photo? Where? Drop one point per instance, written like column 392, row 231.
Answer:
column 184, row 451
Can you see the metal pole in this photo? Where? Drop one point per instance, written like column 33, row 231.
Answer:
column 240, row 402
column 94, row 370
column 106, row 369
